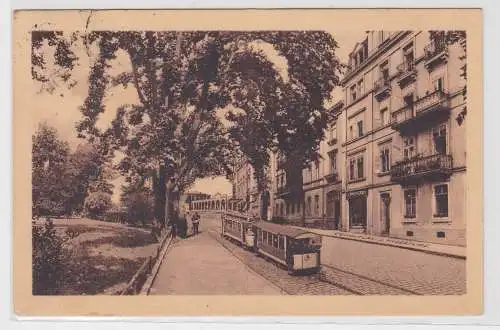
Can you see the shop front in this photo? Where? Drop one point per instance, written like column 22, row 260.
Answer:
column 357, row 210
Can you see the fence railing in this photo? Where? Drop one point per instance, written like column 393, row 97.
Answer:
column 135, row 284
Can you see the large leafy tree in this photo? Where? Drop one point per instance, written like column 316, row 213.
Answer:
column 51, row 180
column 90, row 173
column 61, row 180
column 174, row 134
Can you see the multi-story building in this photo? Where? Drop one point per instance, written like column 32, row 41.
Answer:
column 246, row 191
column 287, row 204
column 404, row 150
column 319, row 202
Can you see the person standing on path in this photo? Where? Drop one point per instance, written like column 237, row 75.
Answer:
column 196, row 222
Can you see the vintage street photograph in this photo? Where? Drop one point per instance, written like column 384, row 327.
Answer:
column 247, row 162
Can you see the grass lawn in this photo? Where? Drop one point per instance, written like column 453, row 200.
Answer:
column 102, row 257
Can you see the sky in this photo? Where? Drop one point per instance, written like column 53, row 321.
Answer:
column 61, row 109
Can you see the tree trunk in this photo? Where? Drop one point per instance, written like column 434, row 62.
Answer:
column 160, row 198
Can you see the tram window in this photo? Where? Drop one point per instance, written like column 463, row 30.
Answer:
column 275, row 241
column 264, row 236
column 281, row 243
column 270, row 239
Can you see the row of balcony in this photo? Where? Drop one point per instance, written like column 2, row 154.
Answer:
column 434, row 53
column 418, row 168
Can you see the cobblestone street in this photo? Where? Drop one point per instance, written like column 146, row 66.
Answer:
column 415, row 271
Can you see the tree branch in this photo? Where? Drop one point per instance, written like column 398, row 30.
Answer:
column 135, row 75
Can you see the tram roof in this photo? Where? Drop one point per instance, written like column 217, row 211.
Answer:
column 284, row 230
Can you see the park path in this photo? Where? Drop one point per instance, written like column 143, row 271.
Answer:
column 199, row 265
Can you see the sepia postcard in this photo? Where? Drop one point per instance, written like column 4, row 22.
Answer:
column 288, row 162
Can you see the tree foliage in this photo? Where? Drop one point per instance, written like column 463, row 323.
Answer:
column 97, row 203
column 51, row 180
column 47, row 259
column 138, row 202
column 61, row 180
column 182, row 79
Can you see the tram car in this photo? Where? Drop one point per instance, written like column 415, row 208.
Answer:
column 295, row 249
column 239, row 229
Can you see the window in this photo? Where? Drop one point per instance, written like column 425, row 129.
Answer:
column 384, row 116
column 360, row 128
column 409, row 149
column 385, row 159
column 351, row 132
column 353, row 93
column 281, row 243
column 277, row 208
column 333, row 162
column 439, row 139
column 352, row 164
column 408, row 57
column 282, row 209
column 360, row 168
column 438, row 84
column 384, row 71
column 316, row 205
column 333, row 133
column 316, row 164
column 360, row 87
column 309, row 205
column 269, row 239
column 264, row 236
column 275, row 241
column 441, row 196
column 410, row 203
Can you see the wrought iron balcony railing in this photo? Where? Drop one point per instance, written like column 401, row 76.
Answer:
column 382, row 87
column 437, row 165
column 435, row 52
column 406, row 72
column 435, row 101
column 332, row 176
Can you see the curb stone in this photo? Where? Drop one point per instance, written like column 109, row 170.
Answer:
column 149, row 282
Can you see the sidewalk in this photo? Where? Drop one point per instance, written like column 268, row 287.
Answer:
column 432, row 248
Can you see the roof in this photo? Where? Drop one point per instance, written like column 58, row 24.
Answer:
column 282, row 229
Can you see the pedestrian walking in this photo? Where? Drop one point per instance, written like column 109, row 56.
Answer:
column 173, row 222
column 196, row 222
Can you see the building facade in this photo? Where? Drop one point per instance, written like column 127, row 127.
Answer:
column 246, row 192
column 393, row 162
column 404, row 150
column 319, row 202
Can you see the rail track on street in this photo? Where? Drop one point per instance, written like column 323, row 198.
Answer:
column 291, row 285
column 329, row 281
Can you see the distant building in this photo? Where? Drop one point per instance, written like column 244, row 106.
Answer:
column 190, row 196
